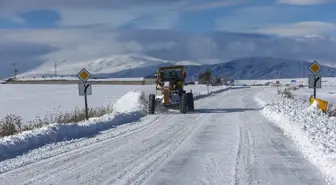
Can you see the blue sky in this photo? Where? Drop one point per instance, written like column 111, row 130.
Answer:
column 42, row 31
column 262, row 16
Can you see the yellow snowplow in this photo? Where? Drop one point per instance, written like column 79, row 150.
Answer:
column 170, row 91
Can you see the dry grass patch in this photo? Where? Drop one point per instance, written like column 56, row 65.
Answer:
column 13, row 124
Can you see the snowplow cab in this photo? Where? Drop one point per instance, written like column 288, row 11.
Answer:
column 174, row 74
column 170, row 93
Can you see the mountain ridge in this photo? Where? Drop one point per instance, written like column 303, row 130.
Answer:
column 137, row 65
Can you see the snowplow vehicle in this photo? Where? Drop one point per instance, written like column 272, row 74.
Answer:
column 170, row 93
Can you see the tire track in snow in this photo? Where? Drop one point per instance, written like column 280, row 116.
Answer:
column 96, row 153
column 129, row 171
column 179, row 142
column 70, row 150
column 136, row 158
column 244, row 170
column 276, row 159
column 209, row 156
column 129, row 141
column 53, row 164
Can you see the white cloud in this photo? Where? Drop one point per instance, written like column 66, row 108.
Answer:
column 81, row 44
column 304, row 2
column 17, row 19
column 299, row 29
column 157, row 17
column 245, row 19
column 73, row 44
column 213, row 5
column 9, row 6
column 80, row 17
column 279, row 20
column 166, row 20
column 115, row 13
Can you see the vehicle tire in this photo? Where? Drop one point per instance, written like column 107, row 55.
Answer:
column 151, row 104
column 190, row 101
column 183, row 104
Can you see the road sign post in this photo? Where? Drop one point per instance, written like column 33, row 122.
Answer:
column 208, row 87
column 315, row 81
column 85, row 88
column 86, row 104
column 277, row 85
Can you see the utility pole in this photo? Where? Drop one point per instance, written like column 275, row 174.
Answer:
column 14, row 69
column 130, row 70
column 55, row 69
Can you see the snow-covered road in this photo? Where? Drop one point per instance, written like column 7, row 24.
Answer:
column 225, row 141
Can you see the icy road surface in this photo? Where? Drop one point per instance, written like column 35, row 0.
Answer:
column 224, row 142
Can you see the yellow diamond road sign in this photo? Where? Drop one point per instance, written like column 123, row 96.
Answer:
column 315, row 67
column 84, row 75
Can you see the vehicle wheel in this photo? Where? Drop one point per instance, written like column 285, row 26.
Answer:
column 183, row 104
column 190, row 101
column 151, row 104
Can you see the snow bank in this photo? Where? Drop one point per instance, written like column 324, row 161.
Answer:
column 133, row 101
column 312, row 130
column 18, row 144
column 215, row 90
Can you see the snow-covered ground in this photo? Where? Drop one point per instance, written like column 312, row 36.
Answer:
column 29, row 101
column 313, row 131
column 74, row 79
column 327, row 93
column 224, row 141
column 326, row 81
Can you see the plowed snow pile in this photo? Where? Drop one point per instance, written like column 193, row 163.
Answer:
column 129, row 108
column 312, row 130
column 131, row 102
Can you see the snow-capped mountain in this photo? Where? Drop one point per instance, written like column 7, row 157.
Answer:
column 134, row 65
column 113, row 66
column 188, row 63
column 263, row 68
column 268, row 68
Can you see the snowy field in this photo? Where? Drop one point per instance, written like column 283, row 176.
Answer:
column 76, row 78
column 29, row 101
column 326, row 81
column 327, row 93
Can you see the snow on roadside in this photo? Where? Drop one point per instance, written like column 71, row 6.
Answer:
column 129, row 108
column 18, row 144
column 131, row 102
column 313, row 131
